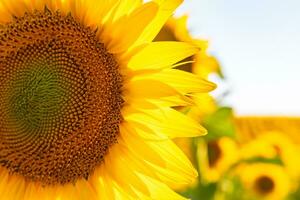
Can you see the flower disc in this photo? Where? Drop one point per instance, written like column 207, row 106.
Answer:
column 60, row 98
column 264, row 185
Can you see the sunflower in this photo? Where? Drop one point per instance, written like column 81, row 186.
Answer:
column 264, row 181
column 257, row 148
column 87, row 101
column 274, row 144
column 216, row 157
column 269, row 137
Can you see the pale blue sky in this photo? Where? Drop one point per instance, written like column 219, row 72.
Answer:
column 258, row 45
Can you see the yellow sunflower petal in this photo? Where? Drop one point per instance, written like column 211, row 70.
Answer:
column 5, row 16
column 154, row 154
column 84, row 190
column 166, row 8
column 17, row 190
column 14, row 7
column 143, row 131
column 125, row 7
column 160, row 190
column 175, row 121
column 182, row 81
column 160, row 170
column 152, row 94
column 121, row 172
column 168, row 121
column 98, row 12
column 121, row 194
column 108, row 190
column 170, row 101
column 69, row 191
column 149, row 89
column 30, row 192
column 133, row 26
column 177, row 161
column 129, row 137
column 35, row 192
column 158, row 55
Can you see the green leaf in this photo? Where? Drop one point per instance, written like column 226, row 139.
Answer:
column 220, row 124
column 202, row 191
column 295, row 195
column 276, row 160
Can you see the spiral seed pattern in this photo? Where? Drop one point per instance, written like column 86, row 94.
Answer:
column 60, row 98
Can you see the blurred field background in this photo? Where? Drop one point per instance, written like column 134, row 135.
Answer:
column 252, row 149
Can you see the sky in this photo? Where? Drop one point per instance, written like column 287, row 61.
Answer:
column 258, row 45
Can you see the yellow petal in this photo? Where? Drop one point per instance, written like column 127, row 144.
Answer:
column 14, row 188
column 5, row 16
column 133, row 142
column 166, row 9
column 159, row 190
column 171, row 101
column 162, row 158
column 120, row 170
column 14, row 7
column 177, row 162
column 167, row 121
column 85, row 190
column 182, row 81
column 104, row 184
column 158, row 55
column 67, row 192
column 151, row 89
column 125, row 7
column 126, row 30
column 142, row 131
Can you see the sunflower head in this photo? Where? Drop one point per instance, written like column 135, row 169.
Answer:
column 264, row 185
column 264, row 181
column 216, row 157
column 273, row 145
column 86, row 110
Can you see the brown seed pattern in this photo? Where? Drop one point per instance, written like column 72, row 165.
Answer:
column 60, row 98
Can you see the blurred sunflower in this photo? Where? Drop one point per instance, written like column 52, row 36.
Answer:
column 273, row 144
column 288, row 151
column 215, row 157
column 86, row 101
column 257, row 148
column 269, row 137
column 264, row 181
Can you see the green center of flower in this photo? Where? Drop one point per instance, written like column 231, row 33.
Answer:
column 60, row 98
column 264, row 185
column 36, row 95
